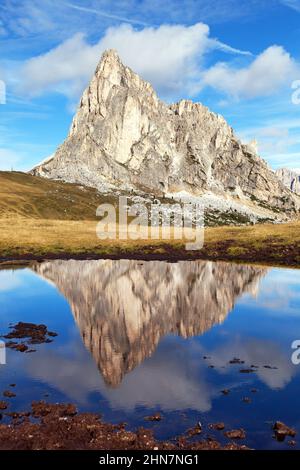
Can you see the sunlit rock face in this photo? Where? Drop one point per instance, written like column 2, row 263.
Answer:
column 123, row 308
column 290, row 178
column 124, row 137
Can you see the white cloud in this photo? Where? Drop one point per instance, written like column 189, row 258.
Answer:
column 169, row 57
column 64, row 68
column 265, row 75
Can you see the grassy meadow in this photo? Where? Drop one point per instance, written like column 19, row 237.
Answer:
column 45, row 219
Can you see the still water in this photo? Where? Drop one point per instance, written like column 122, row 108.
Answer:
column 135, row 338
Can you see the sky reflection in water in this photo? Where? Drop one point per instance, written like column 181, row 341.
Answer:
column 132, row 337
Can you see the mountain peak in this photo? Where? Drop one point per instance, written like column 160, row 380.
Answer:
column 111, row 53
column 124, row 138
column 110, row 58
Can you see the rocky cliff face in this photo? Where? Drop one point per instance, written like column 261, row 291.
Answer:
column 290, row 179
column 124, row 137
column 123, row 308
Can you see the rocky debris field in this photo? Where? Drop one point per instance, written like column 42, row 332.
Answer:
column 60, row 427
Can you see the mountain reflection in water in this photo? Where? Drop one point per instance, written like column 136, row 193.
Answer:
column 124, row 308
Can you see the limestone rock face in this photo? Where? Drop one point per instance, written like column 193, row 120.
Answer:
column 123, row 308
column 124, row 137
column 290, row 179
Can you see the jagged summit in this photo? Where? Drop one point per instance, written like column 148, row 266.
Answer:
column 124, row 137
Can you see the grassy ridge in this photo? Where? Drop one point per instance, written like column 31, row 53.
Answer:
column 23, row 195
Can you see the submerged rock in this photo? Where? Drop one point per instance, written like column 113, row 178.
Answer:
column 9, row 394
column 235, row 434
column 60, row 427
column 282, row 431
column 155, row 417
column 217, row 426
column 30, row 333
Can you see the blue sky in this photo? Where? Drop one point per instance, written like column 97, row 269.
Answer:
column 239, row 57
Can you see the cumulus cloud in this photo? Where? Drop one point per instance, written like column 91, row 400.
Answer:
column 265, row 75
column 170, row 57
column 63, row 69
column 260, row 352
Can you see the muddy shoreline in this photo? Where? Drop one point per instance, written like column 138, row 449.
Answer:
column 56, row 426
column 60, row 427
column 284, row 256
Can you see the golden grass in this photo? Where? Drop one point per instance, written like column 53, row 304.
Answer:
column 287, row 232
column 23, row 195
column 271, row 244
column 43, row 218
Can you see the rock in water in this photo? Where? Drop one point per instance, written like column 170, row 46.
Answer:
column 123, row 137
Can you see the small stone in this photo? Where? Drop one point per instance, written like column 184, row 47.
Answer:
column 247, row 400
column 235, row 434
column 155, row 417
column 236, row 360
column 9, row 394
column 217, row 426
column 282, row 431
column 195, row 430
column 21, row 347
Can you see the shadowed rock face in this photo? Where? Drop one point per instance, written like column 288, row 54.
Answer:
column 123, row 308
column 124, row 137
